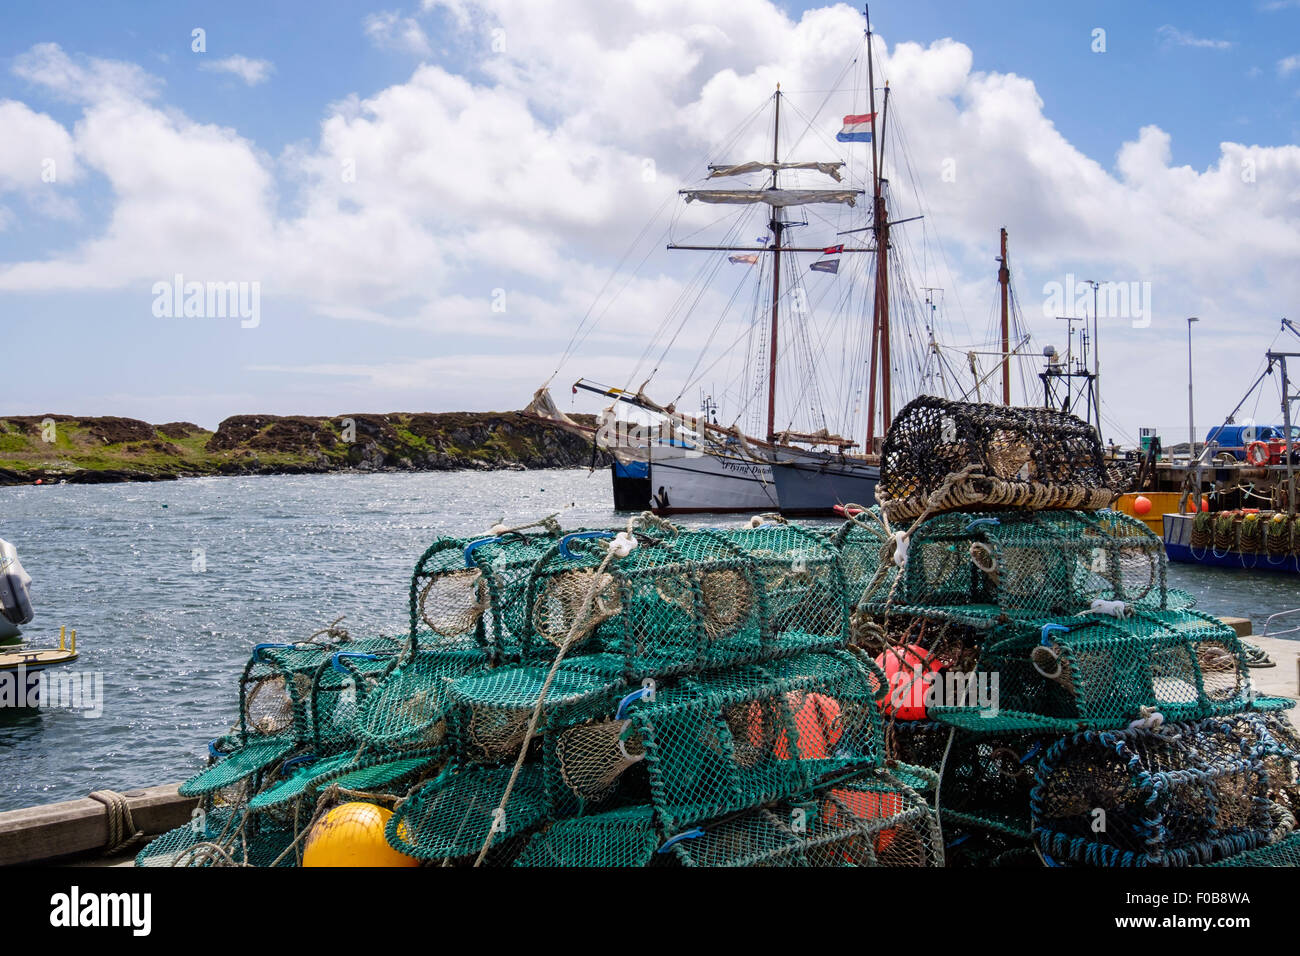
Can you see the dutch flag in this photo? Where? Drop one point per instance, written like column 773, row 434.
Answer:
column 857, row 129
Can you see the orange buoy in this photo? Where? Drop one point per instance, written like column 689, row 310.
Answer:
column 908, row 675
column 816, row 723
column 352, row 834
column 863, row 805
column 1141, row 505
column 1258, row 453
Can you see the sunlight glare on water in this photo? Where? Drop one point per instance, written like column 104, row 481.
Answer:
column 284, row 556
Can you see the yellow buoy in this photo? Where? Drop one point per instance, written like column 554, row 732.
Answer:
column 352, row 834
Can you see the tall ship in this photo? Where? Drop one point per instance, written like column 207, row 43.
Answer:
column 822, row 336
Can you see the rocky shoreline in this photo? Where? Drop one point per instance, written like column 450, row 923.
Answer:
column 95, row 450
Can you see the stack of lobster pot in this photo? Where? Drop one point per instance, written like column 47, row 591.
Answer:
column 1032, row 649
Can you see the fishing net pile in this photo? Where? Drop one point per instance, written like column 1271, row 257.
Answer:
column 1079, row 710
column 1268, row 536
column 655, row 696
column 987, row 669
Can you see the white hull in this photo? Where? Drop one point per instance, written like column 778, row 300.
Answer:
column 711, row 483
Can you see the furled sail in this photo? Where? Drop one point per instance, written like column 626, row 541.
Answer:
column 773, row 197
column 543, row 407
column 830, row 169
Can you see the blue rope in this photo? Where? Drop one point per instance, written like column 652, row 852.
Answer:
column 578, row 535
column 334, row 661
column 475, row 545
column 1048, row 629
column 688, row 835
column 629, row 700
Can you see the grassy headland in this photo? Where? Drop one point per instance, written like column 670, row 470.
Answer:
column 84, row 450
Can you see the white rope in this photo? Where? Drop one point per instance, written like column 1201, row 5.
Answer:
column 1151, row 719
column 900, row 539
column 1113, row 608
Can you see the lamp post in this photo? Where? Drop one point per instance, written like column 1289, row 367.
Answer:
column 1191, row 420
column 1096, row 354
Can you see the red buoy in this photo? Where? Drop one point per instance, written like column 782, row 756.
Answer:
column 908, row 675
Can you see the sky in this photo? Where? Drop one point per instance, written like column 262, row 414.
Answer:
column 420, row 203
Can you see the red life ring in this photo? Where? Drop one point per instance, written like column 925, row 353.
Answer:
column 1257, row 453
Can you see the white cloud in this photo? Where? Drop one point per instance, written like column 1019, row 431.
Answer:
column 392, row 31
column 1173, row 35
column 458, row 10
column 252, row 72
column 84, row 79
column 35, row 150
column 1288, row 65
column 417, row 201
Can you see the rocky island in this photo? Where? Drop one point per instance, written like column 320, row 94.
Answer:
column 82, row 450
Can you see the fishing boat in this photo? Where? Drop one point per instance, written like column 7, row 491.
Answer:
column 22, row 669
column 15, row 595
column 1266, row 537
column 835, row 333
column 21, row 666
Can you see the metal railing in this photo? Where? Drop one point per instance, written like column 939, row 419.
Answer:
column 1268, row 624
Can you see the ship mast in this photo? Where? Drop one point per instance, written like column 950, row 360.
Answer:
column 880, row 357
column 776, row 227
column 1004, row 280
column 776, row 198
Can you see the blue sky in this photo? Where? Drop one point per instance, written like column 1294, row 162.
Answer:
column 378, row 298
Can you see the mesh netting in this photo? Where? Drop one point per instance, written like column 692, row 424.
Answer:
column 776, row 695
column 1104, row 672
column 410, row 708
column 730, row 739
column 1284, row 853
column 208, row 840
column 1190, row 793
column 1014, row 457
column 474, row 588
column 297, row 690
column 451, row 816
column 243, row 763
column 867, row 819
column 623, row 837
column 865, row 557
column 1055, row 562
column 986, row 779
column 499, row 705
column 690, row 600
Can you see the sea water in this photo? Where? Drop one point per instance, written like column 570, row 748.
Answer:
column 169, row 586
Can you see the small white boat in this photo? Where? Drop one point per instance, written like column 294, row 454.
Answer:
column 15, row 595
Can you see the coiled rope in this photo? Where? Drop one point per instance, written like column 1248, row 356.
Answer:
column 122, row 831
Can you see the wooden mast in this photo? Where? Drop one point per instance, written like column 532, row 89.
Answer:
column 1004, row 280
column 776, row 278
column 875, row 228
column 882, row 282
